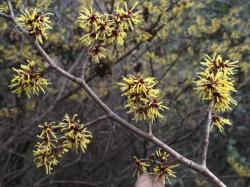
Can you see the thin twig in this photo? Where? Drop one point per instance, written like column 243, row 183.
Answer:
column 206, row 134
column 12, row 16
column 3, row 15
column 99, row 119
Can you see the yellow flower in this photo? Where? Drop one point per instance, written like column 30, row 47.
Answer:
column 138, row 85
column 117, row 36
column 141, row 167
column 209, row 84
column 43, row 156
column 220, row 122
column 165, row 170
column 36, row 24
column 28, row 79
column 162, row 166
column 161, row 155
column 48, row 148
column 223, row 102
column 75, row 135
column 125, row 18
column 3, row 7
column 106, row 29
column 218, row 64
column 143, row 99
column 88, row 18
column 98, row 52
column 89, row 21
column 139, row 112
column 103, row 27
column 51, row 147
column 215, row 83
column 89, row 38
column 48, row 136
column 157, row 164
column 153, row 110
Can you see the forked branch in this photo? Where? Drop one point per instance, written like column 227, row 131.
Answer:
column 189, row 163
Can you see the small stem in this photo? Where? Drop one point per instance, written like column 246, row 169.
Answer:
column 206, row 133
column 99, row 119
column 12, row 16
column 3, row 15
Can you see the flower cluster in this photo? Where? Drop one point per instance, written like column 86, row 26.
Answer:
column 143, row 99
column 102, row 30
column 56, row 139
column 157, row 164
column 28, row 79
column 44, row 154
column 3, row 7
column 36, row 24
column 215, row 84
column 75, row 135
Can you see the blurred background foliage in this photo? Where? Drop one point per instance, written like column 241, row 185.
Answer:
column 169, row 43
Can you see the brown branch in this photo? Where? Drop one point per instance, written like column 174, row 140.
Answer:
column 99, row 119
column 195, row 166
column 135, row 130
column 206, row 134
column 12, row 16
